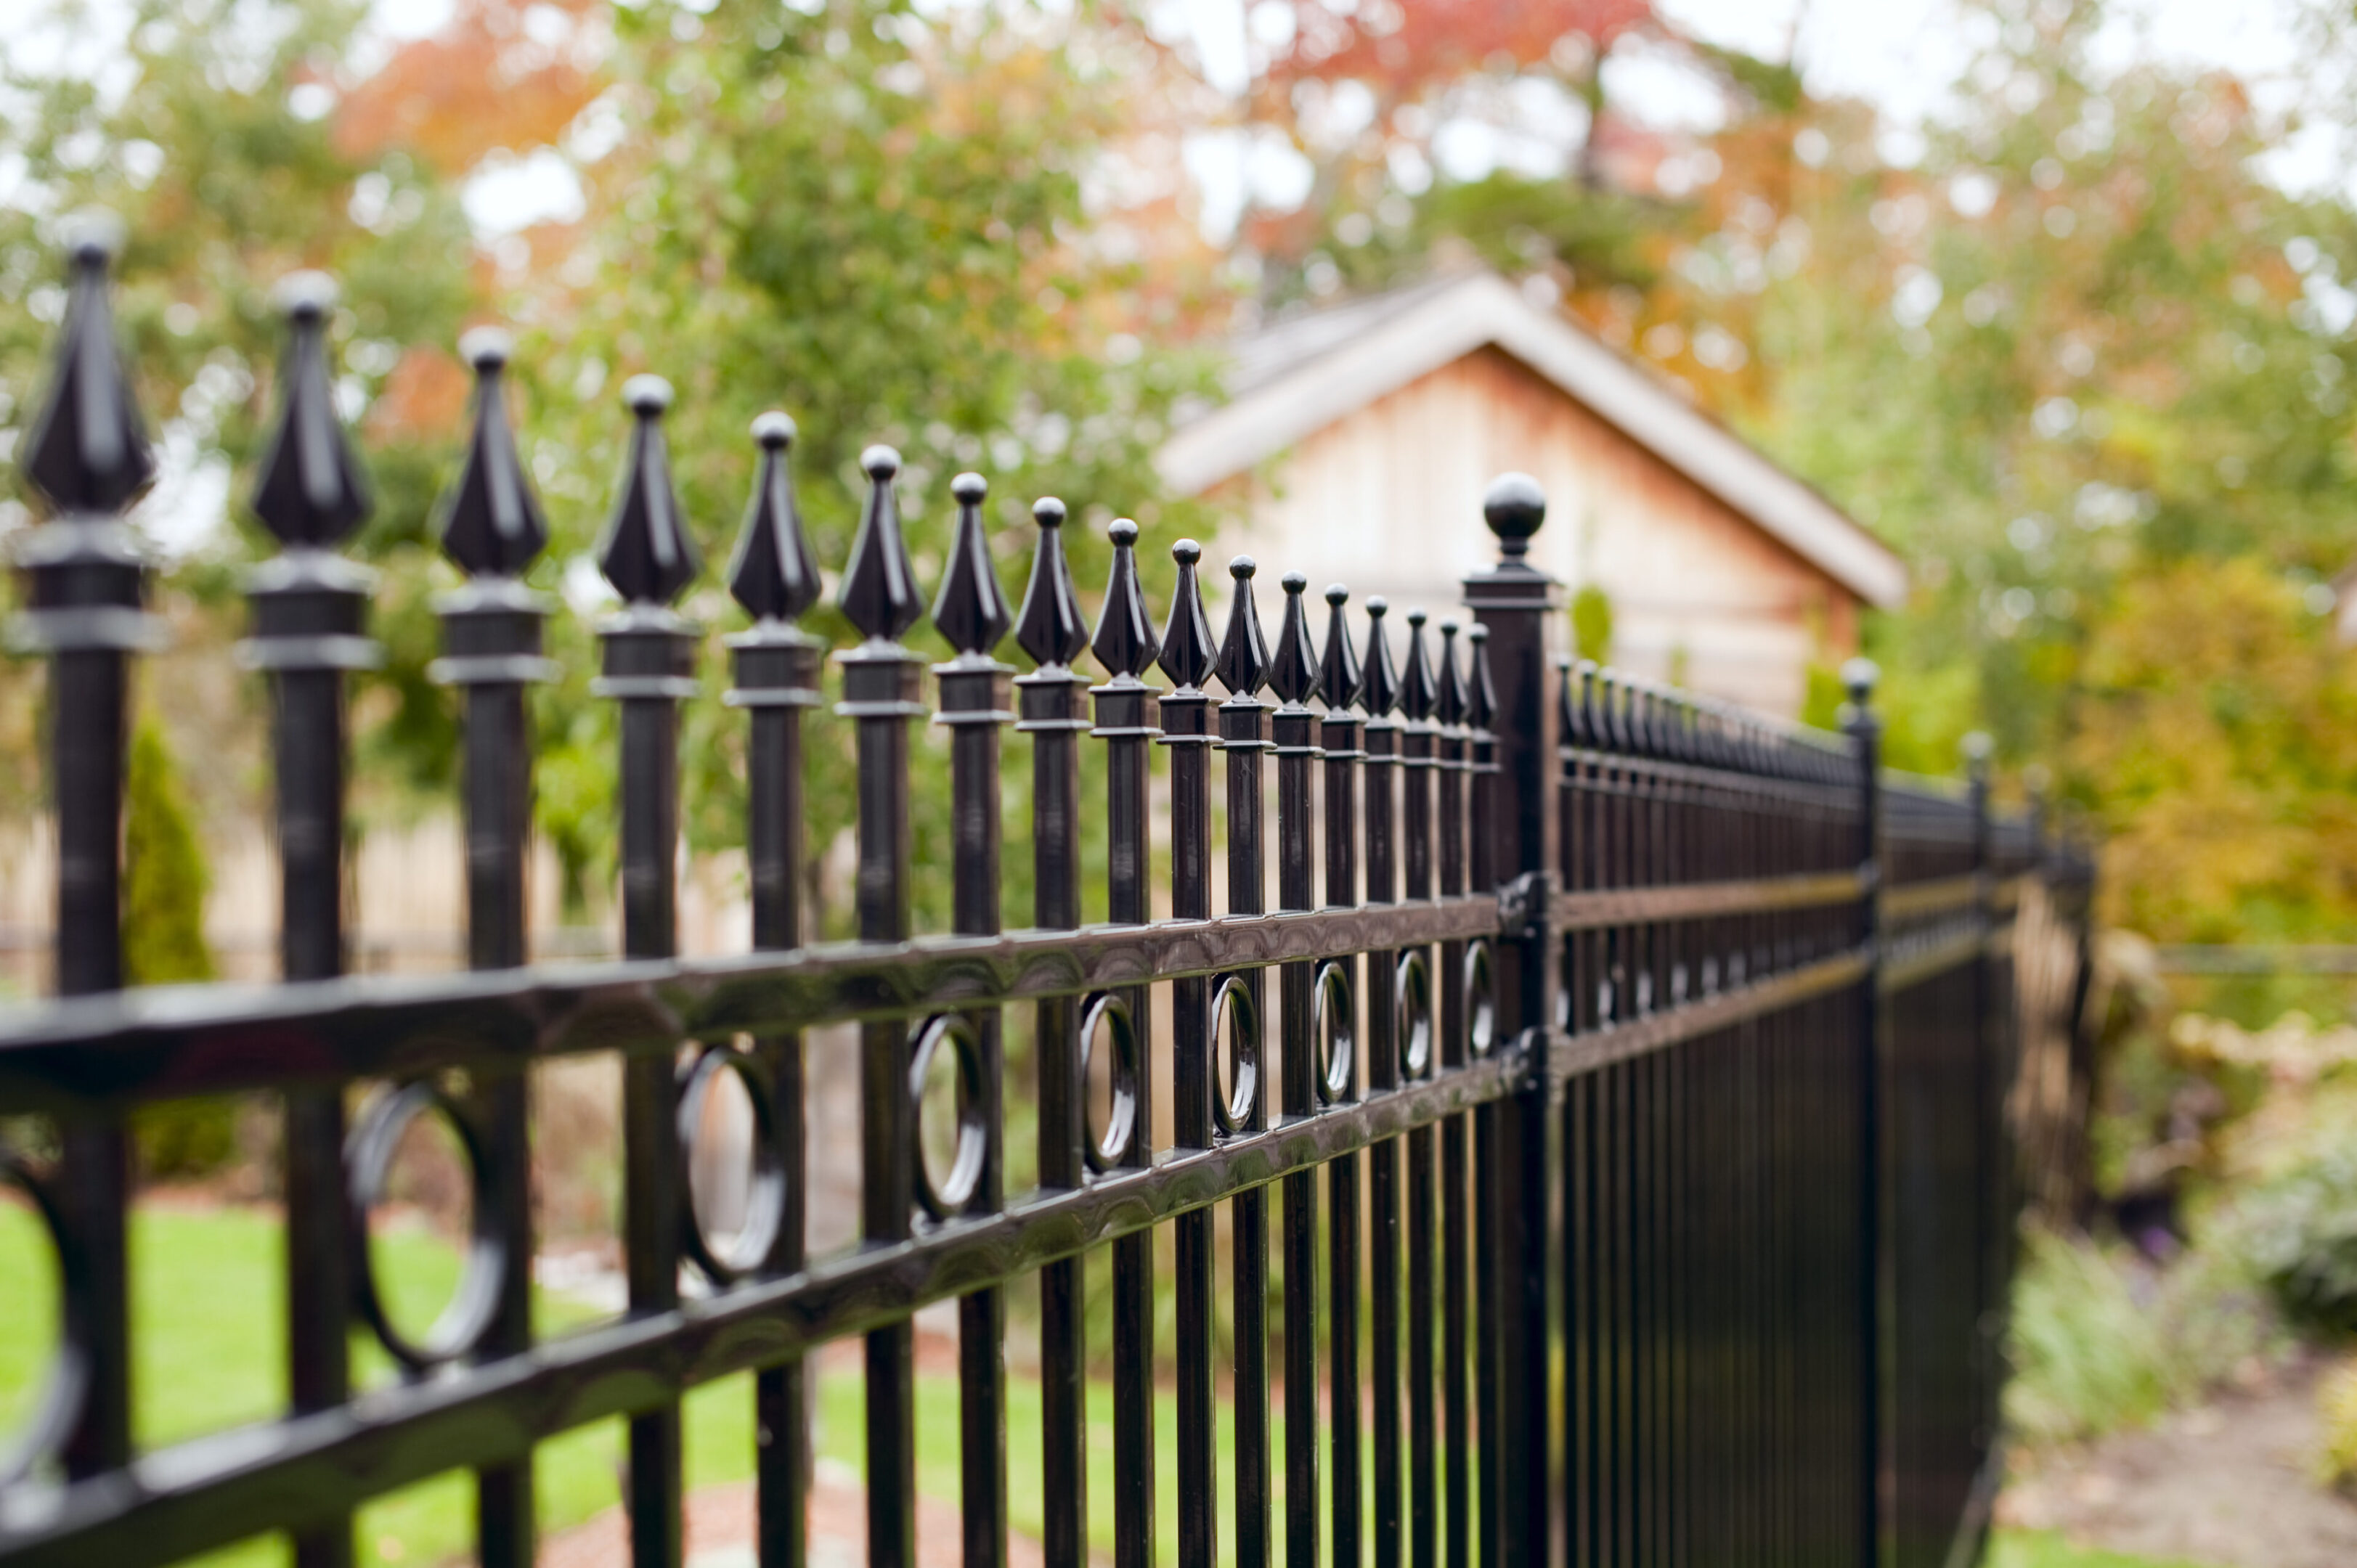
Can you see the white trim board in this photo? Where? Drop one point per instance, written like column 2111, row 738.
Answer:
column 1436, row 326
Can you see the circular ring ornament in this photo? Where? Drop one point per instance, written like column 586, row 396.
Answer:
column 1232, row 999
column 368, row 1162
column 1120, row 1139
column 1334, row 1025
column 1480, row 1000
column 1412, row 986
column 60, row 1403
column 765, row 1206
column 956, row 1031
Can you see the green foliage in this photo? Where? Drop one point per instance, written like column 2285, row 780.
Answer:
column 2299, row 1235
column 1591, row 623
column 2045, row 1549
column 872, row 220
column 877, row 225
column 2103, row 1342
column 164, row 878
column 2336, row 1413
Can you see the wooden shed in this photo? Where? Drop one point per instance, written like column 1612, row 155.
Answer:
column 1359, row 438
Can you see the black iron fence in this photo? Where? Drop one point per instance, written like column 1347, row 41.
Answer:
column 1629, row 1088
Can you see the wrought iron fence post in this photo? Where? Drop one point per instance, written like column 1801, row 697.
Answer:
column 86, row 585
column 1988, row 1090
column 309, row 605
column 1520, row 606
column 1865, row 730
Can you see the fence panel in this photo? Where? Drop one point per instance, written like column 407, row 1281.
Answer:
column 1643, row 1185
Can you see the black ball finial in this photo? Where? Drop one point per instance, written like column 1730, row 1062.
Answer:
column 1514, row 506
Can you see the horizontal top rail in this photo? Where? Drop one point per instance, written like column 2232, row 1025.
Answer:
column 83, row 1054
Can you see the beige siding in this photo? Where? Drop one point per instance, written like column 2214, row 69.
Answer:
column 1388, row 501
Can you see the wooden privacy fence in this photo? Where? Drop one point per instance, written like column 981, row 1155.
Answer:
column 1621, row 1108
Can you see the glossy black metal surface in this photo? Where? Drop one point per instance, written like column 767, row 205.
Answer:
column 308, row 607
column 1590, row 970
column 492, row 528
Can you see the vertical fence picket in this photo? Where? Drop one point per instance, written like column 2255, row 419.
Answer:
column 1125, row 644
column 1293, row 676
column 882, row 684
column 1243, row 724
column 87, row 455
column 310, row 607
column 1050, row 629
column 1391, row 1008
column 774, row 574
column 649, row 667
column 1458, row 1021
column 1419, row 760
column 972, row 613
column 1187, row 656
column 1338, row 993
column 492, row 528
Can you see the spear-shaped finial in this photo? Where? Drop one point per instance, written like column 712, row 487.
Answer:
column 1378, row 690
column 1566, row 703
column 311, row 491
column 1186, row 656
column 1448, row 707
column 88, row 449
column 1419, row 692
column 492, row 523
column 878, row 595
column 646, row 553
column 1243, row 653
column 1293, row 669
column 773, row 573
column 1338, row 665
column 971, row 609
column 1125, row 641
column 1480, row 693
column 1050, row 627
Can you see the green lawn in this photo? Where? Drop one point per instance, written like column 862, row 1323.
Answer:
column 208, row 1325
column 2043, row 1549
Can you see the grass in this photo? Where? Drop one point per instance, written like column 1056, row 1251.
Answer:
column 208, row 1322
column 2045, row 1549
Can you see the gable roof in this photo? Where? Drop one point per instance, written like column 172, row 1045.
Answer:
column 1301, row 375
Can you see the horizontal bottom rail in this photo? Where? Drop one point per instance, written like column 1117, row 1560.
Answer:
column 315, row 1468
